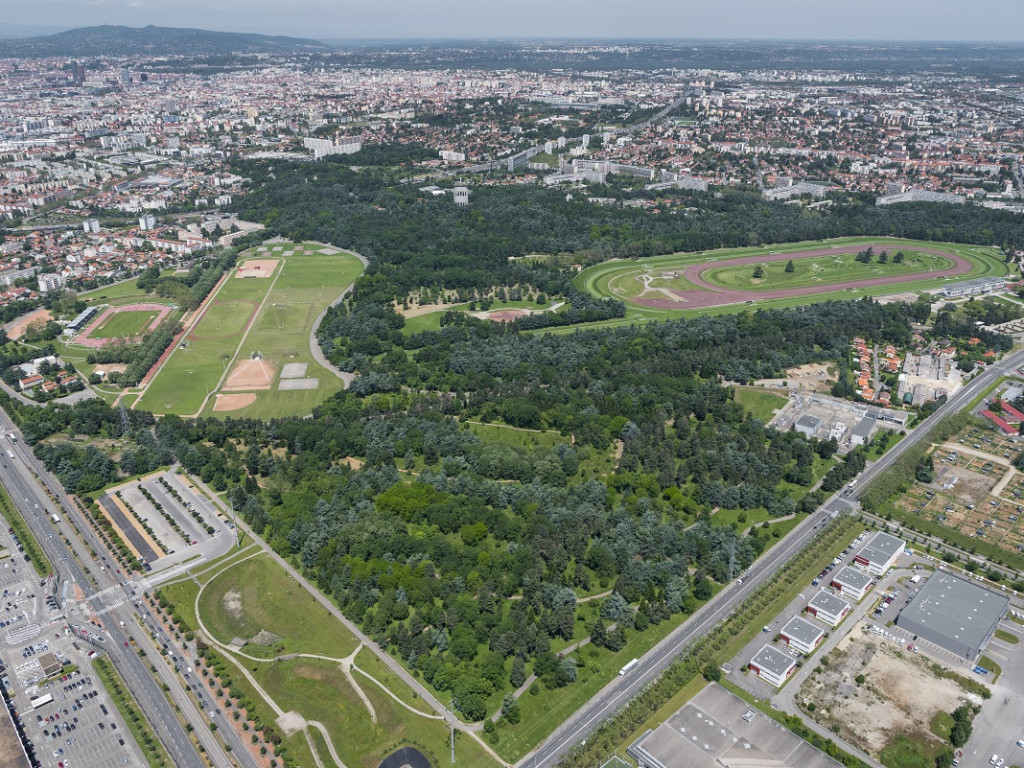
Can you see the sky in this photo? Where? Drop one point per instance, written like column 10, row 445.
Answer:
column 938, row 20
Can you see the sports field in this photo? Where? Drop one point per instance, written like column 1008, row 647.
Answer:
column 249, row 353
column 123, row 325
column 713, row 282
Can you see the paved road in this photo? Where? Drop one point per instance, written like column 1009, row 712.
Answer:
column 619, row 691
column 108, row 596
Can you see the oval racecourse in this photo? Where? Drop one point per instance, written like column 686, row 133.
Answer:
column 679, row 284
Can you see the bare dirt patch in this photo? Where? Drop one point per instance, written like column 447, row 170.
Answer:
column 257, row 268
column 422, row 309
column 233, row 604
column 233, row 402
column 900, row 695
column 506, row 315
column 16, row 329
column 250, row 374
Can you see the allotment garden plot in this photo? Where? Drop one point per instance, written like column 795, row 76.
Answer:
column 976, row 491
column 249, row 352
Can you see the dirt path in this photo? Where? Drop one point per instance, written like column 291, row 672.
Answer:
column 715, row 296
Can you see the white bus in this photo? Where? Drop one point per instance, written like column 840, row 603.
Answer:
column 42, row 701
column 629, row 667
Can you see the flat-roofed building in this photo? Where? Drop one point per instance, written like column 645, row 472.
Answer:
column 852, row 583
column 717, row 728
column 802, row 635
column 807, row 425
column 828, row 608
column 773, row 665
column 880, row 553
column 956, row 614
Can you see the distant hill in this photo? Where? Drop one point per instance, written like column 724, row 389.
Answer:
column 152, row 41
column 23, row 30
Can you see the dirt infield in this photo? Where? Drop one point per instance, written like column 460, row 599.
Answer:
column 506, row 315
column 250, row 374
column 716, row 296
column 84, row 338
column 233, row 402
column 257, row 268
column 16, row 329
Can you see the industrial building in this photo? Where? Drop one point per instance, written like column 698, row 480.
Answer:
column 717, row 728
column 880, row 553
column 802, row 635
column 807, row 425
column 954, row 613
column 852, row 583
column 772, row 665
column 828, row 608
column 862, row 431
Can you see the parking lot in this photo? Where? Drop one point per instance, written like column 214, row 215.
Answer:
column 65, row 712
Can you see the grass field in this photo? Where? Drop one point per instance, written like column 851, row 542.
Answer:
column 273, row 315
column 257, row 594
column 124, row 325
column 621, row 278
column 840, row 268
column 761, row 405
column 260, row 595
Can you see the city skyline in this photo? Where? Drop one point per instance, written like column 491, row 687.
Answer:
column 870, row 20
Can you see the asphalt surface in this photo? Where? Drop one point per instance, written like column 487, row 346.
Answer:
column 108, row 595
column 620, row 690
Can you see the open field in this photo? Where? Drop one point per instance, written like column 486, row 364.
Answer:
column 257, row 595
column 269, row 317
column 683, row 285
column 761, row 404
column 245, row 595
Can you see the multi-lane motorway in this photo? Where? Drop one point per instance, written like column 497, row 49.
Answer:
column 620, row 690
column 108, row 593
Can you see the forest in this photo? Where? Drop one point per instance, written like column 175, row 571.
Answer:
column 414, row 240
column 468, row 556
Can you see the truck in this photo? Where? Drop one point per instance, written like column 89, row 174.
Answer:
column 629, row 667
column 55, row 517
column 10, row 453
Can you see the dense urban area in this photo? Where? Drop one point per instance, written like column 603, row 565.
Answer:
column 548, row 405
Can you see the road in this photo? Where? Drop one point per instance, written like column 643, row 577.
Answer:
column 107, row 595
column 620, row 690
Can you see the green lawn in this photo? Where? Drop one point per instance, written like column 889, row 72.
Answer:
column 761, row 404
column 258, row 594
column 1007, row 637
column 812, row 271
column 994, row 670
column 905, row 752
column 124, row 325
column 126, row 292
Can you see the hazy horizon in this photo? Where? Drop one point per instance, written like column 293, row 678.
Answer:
column 910, row 21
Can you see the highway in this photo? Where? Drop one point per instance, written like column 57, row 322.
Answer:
column 111, row 595
column 620, row 690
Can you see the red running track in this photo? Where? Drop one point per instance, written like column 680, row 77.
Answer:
column 716, row 296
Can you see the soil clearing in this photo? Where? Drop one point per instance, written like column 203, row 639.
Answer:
column 900, row 696
column 234, row 402
column 250, row 374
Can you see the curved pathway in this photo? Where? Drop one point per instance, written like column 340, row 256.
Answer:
column 314, row 347
column 711, row 295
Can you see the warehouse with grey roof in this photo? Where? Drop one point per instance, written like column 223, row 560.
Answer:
column 954, row 613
